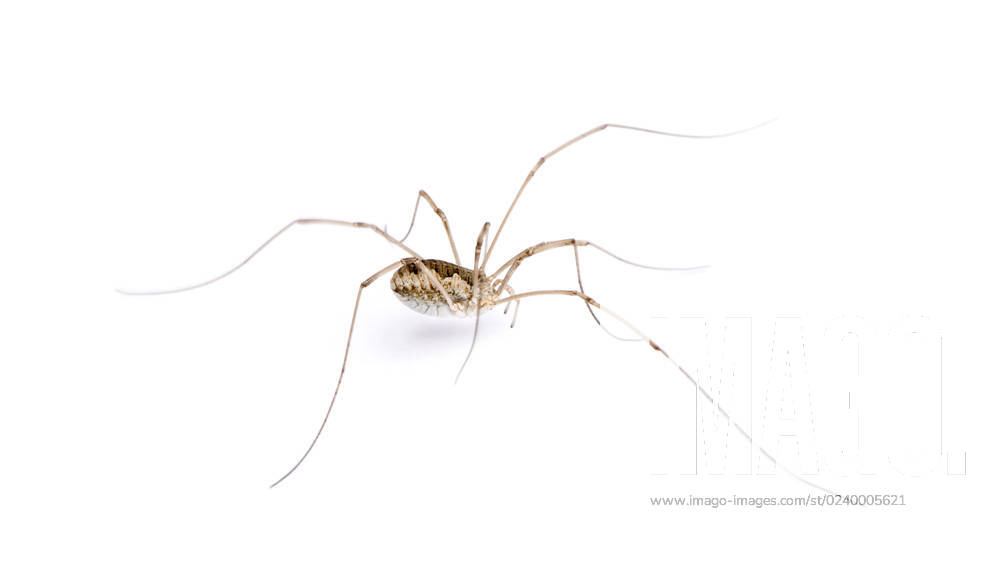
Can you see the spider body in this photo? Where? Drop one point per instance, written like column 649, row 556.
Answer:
column 415, row 289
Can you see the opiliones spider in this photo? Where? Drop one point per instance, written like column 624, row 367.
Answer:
column 436, row 286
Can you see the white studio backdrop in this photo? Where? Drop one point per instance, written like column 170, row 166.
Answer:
column 154, row 146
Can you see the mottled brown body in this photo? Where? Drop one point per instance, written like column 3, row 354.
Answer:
column 414, row 288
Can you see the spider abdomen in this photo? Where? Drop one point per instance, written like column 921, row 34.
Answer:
column 414, row 287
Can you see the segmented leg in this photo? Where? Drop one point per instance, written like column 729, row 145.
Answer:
column 444, row 220
column 517, row 305
column 343, row 366
column 579, row 282
column 515, row 261
column 476, row 297
column 594, row 130
column 652, row 344
column 420, row 260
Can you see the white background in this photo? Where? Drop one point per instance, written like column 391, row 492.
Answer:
column 155, row 145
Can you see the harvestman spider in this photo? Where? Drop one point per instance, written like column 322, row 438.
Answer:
column 436, row 285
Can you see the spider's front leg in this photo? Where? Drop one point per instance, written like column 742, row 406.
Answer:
column 515, row 261
column 419, row 260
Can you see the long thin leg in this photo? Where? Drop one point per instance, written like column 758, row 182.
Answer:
column 516, row 260
column 430, row 274
column 595, row 130
column 476, row 297
column 444, row 220
column 576, row 243
column 343, row 366
column 579, row 282
column 590, row 301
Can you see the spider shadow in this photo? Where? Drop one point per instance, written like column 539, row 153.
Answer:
column 424, row 339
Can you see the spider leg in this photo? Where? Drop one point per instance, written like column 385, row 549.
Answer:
column 476, row 297
column 701, row 390
column 594, row 130
column 579, row 282
column 517, row 305
column 343, row 366
column 419, row 260
column 444, row 220
column 515, row 261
